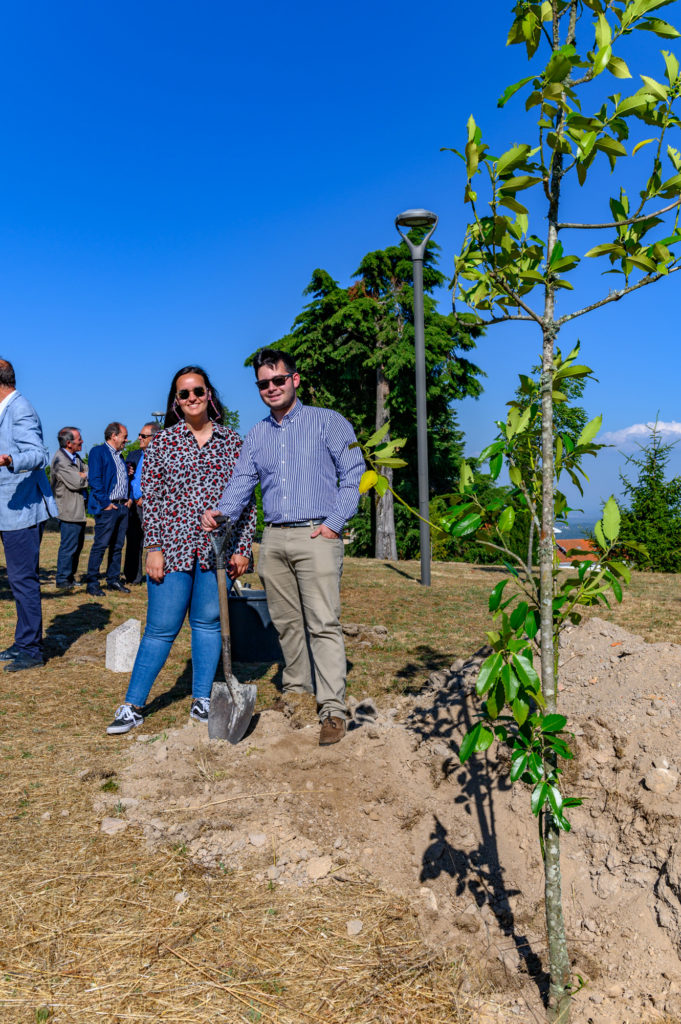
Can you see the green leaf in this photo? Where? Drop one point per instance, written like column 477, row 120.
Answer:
column 495, row 700
column 656, row 89
column 512, row 158
column 495, row 465
column 489, row 671
column 553, row 723
column 602, row 59
column 590, row 430
column 518, row 764
column 511, row 90
column 532, row 623
column 465, row 477
column 381, row 486
column 479, row 738
column 469, row 524
column 393, row 463
column 660, row 28
column 538, row 798
column 515, row 476
column 518, row 615
column 526, row 672
column 603, row 32
column 611, row 519
column 496, row 595
column 523, row 181
column 521, row 710
column 506, row 520
column 510, row 682
column 617, row 67
column 378, row 436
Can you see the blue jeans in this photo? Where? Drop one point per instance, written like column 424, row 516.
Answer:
column 168, row 602
column 70, row 547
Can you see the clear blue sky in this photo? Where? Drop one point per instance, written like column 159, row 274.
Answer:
column 172, row 173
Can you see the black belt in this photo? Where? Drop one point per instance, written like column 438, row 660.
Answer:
column 305, row 522
column 117, row 501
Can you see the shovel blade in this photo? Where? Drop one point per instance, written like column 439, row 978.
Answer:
column 231, row 709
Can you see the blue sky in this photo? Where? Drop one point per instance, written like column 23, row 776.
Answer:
column 173, row 173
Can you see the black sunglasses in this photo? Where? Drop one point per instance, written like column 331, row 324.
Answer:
column 184, row 394
column 281, row 378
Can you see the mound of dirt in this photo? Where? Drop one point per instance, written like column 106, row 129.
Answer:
column 392, row 803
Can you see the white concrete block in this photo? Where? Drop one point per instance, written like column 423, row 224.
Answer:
column 121, row 646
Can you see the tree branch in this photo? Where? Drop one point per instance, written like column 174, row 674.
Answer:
column 623, row 223
column 614, row 296
column 504, row 319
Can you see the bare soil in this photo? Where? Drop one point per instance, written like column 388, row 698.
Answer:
column 390, row 804
column 158, row 876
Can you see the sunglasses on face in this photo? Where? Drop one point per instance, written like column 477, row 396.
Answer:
column 145, row 435
column 278, row 381
column 184, row 394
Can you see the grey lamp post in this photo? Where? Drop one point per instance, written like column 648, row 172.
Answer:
column 413, row 219
column 158, row 417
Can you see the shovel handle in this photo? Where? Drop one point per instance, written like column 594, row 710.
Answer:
column 219, row 543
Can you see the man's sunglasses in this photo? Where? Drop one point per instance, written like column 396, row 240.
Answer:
column 184, row 394
column 145, row 435
column 278, row 381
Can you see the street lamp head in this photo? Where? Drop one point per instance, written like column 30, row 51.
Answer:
column 415, row 218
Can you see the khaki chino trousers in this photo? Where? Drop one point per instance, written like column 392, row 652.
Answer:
column 302, row 576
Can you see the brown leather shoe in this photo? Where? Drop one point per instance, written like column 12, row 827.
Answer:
column 332, row 730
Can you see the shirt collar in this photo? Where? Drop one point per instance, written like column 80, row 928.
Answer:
column 69, row 455
column 295, row 411
column 114, row 451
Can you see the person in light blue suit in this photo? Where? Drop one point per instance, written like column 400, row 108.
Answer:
column 25, row 503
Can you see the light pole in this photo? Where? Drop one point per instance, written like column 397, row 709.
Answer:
column 414, row 219
column 158, row 417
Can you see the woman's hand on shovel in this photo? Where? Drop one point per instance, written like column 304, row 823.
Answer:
column 237, row 566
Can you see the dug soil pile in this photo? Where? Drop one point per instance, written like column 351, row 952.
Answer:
column 391, row 803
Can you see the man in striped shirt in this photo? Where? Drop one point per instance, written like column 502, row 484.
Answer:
column 109, row 503
column 310, row 477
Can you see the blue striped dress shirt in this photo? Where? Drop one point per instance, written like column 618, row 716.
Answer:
column 305, row 468
column 120, row 490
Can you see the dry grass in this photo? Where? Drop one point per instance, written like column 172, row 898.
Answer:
column 91, row 929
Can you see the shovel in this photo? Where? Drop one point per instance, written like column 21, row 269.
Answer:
column 231, row 702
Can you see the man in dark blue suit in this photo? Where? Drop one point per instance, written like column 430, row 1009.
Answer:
column 109, row 503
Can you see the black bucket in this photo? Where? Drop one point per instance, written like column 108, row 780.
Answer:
column 254, row 638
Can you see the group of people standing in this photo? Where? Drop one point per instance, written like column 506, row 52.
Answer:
column 192, row 470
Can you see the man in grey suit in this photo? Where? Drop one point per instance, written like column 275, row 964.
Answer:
column 25, row 503
column 68, row 476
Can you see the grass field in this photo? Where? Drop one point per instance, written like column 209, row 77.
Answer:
column 91, row 929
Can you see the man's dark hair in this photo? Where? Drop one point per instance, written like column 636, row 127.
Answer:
column 154, row 427
column 270, row 357
column 66, row 435
column 7, row 378
column 111, row 429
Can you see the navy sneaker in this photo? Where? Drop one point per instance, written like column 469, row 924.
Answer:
column 126, row 718
column 200, row 708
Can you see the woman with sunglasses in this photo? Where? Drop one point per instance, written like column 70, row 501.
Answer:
column 185, row 470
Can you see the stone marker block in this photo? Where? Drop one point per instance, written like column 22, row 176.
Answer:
column 121, row 646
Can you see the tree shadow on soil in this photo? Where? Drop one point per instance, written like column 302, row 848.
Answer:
column 426, row 659
column 477, row 870
column 68, row 627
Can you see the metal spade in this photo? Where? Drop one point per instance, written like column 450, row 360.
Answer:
column 231, row 702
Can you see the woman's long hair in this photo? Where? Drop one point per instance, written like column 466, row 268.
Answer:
column 173, row 412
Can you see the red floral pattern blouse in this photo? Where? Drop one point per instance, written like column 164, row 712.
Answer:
column 179, row 482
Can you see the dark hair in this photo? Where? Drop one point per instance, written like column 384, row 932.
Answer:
column 112, row 428
column 270, row 357
column 173, row 412
column 153, row 427
column 7, row 378
column 67, row 434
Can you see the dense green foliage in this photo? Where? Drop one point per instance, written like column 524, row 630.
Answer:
column 653, row 515
column 346, row 338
